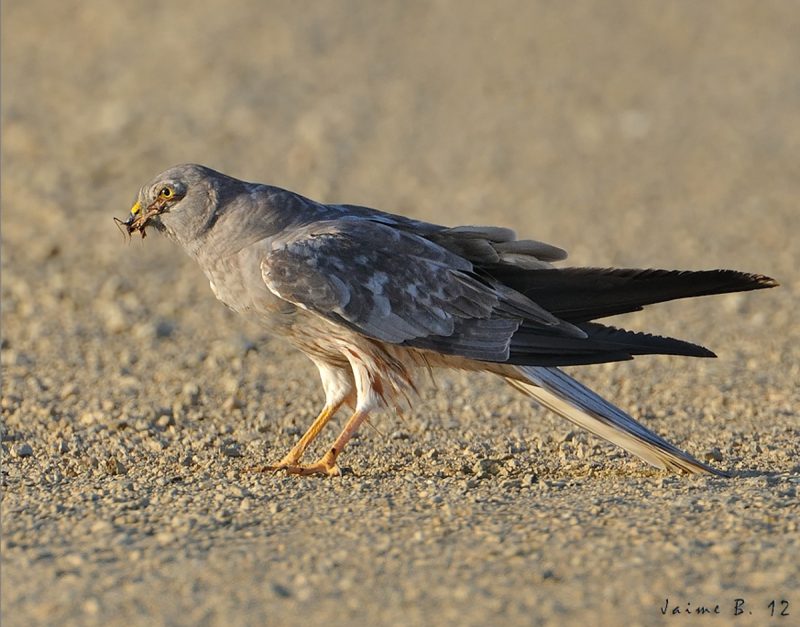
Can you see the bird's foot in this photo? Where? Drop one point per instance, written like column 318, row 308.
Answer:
column 326, row 465
column 289, row 461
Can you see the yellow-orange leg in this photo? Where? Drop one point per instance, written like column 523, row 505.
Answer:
column 292, row 458
column 326, row 465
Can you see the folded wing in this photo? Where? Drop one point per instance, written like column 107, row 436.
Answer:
column 397, row 287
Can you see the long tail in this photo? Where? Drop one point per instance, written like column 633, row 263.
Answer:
column 582, row 294
column 567, row 397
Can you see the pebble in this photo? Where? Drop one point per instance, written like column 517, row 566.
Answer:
column 91, row 606
column 713, row 455
column 191, row 393
column 165, row 538
column 116, row 467
column 484, row 468
column 231, row 450
column 165, row 420
column 101, row 527
column 231, row 403
column 281, row 590
column 24, row 450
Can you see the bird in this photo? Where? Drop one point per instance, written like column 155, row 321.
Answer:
column 374, row 298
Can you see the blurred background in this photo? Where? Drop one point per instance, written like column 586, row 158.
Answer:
column 633, row 133
column 647, row 120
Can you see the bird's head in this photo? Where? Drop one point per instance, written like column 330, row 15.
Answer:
column 177, row 201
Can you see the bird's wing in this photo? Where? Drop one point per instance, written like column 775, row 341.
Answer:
column 491, row 246
column 395, row 286
column 581, row 294
column 482, row 245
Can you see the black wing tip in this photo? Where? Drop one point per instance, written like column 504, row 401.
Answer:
column 763, row 281
column 658, row 344
column 741, row 280
column 745, row 280
column 702, row 351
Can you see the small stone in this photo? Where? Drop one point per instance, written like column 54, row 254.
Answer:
column 24, row 450
column 485, row 468
column 91, row 606
column 713, row 455
column 237, row 492
column 71, row 389
column 281, row 590
column 231, row 450
column 165, row 537
column 231, row 403
column 164, row 328
column 87, row 418
column 116, row 467
column 155, row 445
column 165, row 420
column 191, row 393
column 178, row 410
column 101, row 527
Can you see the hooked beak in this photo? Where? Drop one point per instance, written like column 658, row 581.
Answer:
column 137, row 219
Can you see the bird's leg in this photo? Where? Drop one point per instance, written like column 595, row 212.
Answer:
column 292, row 458
column 367, row 399
column 326, row 465
column 339, row 390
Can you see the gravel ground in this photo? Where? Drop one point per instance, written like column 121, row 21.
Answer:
column 135, row 407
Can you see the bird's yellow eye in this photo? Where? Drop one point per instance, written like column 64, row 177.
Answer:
column 166, row 192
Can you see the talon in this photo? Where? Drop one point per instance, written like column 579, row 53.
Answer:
column 289, row 461
column 317, row 468
column 269, row 468
column 326, row 465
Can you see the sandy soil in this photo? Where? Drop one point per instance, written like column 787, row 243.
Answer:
column 134, row 405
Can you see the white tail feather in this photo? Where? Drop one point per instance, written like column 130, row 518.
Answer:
column 567, row 397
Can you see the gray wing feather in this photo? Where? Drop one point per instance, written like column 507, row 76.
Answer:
column 398, row 287
column 495, row 245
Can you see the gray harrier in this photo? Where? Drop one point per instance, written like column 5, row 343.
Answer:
column 371, row 297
